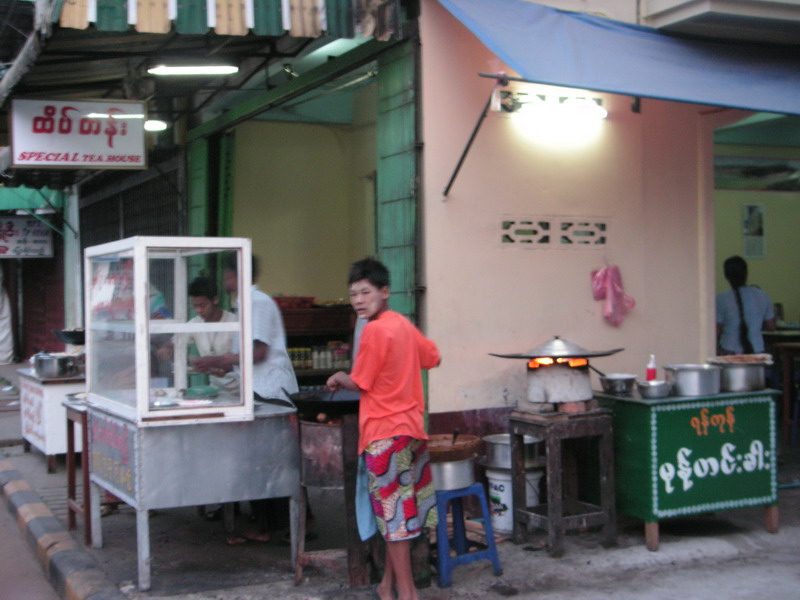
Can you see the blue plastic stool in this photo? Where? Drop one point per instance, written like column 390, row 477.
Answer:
column 446, row 562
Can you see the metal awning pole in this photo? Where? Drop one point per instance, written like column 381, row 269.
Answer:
column 501, row 80
column 32, row 213
column 63, row 217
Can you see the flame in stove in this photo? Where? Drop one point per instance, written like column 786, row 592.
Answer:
column 546, row 361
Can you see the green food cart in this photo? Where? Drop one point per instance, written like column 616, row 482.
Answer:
column 681, row 456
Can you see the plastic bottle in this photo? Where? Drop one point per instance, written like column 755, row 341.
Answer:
column 652, row 371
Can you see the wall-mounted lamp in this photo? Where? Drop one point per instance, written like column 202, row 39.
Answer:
column 560, row 106
column 193, row 70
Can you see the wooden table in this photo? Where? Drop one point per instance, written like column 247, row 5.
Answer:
column 563, row 511
column 779, row 336
column 77, row 415
column 787, row 353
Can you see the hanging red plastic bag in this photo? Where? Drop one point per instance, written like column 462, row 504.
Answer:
column 607, row 285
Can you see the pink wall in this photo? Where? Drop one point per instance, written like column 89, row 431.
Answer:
column 641, row 176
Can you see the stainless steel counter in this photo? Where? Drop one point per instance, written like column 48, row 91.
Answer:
column 188, row 465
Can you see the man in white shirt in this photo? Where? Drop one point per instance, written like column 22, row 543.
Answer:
column 204, row 299
column 272, row 367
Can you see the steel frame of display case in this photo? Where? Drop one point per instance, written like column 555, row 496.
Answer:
column 681, row 456
column 142, row 326
column 186, row 454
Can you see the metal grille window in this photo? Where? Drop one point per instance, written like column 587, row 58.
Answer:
column 147, row 203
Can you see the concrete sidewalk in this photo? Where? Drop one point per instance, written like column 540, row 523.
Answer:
column 191, row 560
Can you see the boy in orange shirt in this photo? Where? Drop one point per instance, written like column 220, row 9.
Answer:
column 392, row 437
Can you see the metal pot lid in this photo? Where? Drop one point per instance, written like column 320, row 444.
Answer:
column 558, row 348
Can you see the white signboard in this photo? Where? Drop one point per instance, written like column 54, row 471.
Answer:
column 97, row 134
column 25, row 237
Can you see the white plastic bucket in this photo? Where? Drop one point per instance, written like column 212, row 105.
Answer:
column 501, row 497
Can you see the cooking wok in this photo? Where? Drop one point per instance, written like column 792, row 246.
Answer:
column 334, row 404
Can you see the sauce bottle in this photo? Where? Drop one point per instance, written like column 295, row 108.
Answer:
column 651, row 371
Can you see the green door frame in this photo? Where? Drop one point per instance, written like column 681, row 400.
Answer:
column 398, row 155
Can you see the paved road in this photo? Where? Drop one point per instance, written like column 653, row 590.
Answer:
column 21, row 576
column 725, row 555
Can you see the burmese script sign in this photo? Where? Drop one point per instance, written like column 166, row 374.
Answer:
column 97, row 134
column 713, row 455
column 25, row 237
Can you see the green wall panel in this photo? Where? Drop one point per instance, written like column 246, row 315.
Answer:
column 198, row 182
column 267, row 17
column 339, row 14
column 396, row 210
column 227, row 162
column 112, row 15
column 192, row 17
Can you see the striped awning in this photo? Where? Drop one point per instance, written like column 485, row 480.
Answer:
column 298, row 18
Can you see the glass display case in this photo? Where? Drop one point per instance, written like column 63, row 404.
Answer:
column 145, row 342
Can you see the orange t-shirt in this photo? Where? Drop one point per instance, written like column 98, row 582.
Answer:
column 391, row 354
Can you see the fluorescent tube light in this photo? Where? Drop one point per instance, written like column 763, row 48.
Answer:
column 193, row 70
column 155, row 125
column 115, row 115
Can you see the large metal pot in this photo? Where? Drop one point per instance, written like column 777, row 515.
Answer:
column 49, row 366
column 743, row 377
column 694, row 379
column 453, row 474
column 498, row 451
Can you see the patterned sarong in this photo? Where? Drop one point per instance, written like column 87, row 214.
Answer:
column 401, row 486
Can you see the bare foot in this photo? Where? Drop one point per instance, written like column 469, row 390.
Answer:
column 235, row 540
column 254, row 535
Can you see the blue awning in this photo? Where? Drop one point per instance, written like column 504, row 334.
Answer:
column 557, row 47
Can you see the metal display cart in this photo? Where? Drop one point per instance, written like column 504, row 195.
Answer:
column 161, row 434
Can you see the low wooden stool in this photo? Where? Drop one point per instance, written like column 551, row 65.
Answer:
column 560, row 514
column 76, row 413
